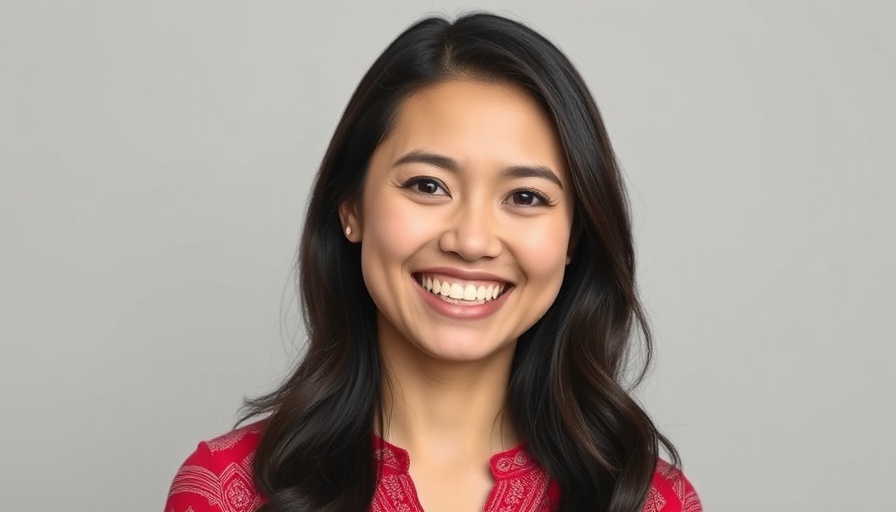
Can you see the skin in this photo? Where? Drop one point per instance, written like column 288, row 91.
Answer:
column 471, row 178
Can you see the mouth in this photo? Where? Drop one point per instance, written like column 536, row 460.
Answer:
column 459, row 291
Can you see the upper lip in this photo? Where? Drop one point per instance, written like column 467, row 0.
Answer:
column 464, row 274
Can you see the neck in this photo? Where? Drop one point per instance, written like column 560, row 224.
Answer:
column 446, row 409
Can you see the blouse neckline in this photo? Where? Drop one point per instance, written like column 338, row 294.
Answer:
column 507, row 464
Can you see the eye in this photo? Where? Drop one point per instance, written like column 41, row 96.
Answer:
column 425, row 186
column 527, row 198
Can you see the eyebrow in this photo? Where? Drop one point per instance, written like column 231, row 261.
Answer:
column 449, row 164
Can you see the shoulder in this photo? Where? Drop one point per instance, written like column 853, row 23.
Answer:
column 217, row 476
column 671, row 491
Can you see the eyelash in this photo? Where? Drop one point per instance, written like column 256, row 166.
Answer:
column 537, row 196
column 415, row 182
column 413, row 185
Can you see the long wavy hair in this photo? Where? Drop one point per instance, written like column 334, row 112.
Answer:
column 567, row 394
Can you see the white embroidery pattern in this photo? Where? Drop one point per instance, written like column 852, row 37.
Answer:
column 230, row 490
column 686, row 494
column 395, row 491
column 520, row 487
column 655, row 501
column 228, row 440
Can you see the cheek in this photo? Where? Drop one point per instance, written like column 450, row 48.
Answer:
column 393, row 230
column 544, row 251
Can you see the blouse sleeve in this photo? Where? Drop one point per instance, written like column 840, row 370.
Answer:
column 197, row 484
column 671, row 492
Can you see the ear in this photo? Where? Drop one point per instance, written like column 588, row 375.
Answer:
column 350, row 218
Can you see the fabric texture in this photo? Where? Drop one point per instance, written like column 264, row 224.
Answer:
column 217, row 477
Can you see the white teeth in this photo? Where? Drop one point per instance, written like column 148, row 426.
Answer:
column 458, row 291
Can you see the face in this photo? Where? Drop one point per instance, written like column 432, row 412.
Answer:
column 464, row 221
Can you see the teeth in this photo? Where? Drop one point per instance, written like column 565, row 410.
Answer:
column 458, row 291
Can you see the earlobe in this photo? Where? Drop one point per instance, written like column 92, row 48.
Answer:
column 350, row 220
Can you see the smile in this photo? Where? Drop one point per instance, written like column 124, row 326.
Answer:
column 457, row 291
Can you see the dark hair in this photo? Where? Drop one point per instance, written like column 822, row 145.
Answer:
column 566, row 393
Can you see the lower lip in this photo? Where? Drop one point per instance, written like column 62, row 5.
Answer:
column 462, row 311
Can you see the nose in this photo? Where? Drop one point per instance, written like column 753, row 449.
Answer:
column 472, row 233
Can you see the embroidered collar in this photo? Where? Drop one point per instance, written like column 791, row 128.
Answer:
column 504, row 465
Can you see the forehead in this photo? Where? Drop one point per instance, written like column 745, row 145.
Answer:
column 476, row 123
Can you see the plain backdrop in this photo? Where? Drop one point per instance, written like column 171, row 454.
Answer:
column 155, row 161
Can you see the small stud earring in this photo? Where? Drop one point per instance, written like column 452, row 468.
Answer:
column 348, row 231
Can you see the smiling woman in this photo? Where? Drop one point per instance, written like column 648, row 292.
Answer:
column 467, row 275
column 461, row 195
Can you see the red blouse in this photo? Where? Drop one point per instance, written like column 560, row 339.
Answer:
column 217, row 477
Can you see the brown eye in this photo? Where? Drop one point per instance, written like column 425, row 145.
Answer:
column 425, row 186
column 527, row 198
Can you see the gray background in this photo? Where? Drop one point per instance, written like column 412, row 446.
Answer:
column 155, row 158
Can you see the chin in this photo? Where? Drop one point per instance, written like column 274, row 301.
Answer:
column 467, row 351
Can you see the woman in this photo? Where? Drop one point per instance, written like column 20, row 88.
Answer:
column 467, row 277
